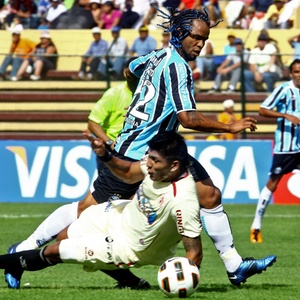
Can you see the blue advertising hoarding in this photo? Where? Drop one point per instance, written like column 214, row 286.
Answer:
column 63, row 171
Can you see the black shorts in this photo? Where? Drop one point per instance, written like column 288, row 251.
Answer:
column 285, row 163
column 108, row 187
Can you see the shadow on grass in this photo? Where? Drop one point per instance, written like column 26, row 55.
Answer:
column 206, row 288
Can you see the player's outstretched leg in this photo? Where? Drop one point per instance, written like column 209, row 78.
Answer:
column 250, row 267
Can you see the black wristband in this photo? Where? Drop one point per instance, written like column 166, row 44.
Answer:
column 106, row 157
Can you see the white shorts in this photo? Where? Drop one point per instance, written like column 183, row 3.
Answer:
column 96, row 241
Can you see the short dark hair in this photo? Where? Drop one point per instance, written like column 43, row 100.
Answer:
column 171, row 146
column 296, row 61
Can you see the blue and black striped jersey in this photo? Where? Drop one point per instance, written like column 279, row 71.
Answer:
column 286, row 99
column 165, row 88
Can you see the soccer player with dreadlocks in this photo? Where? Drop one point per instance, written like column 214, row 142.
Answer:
column 164, row 98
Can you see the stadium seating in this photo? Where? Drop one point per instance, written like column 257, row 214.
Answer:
column 58, row 107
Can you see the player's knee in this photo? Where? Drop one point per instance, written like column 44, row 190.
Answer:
column 211, row 198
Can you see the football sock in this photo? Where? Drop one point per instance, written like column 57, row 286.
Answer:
column 263, row 201
column 50, row 227
column 216, row 224
column 31, row 260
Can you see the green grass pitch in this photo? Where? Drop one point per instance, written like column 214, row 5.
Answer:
column 70, row 282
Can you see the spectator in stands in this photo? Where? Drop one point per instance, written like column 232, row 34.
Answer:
column 129, row 17
column 261, row 6
column 294, row 41
column 247, row 20
column 229, row 48
column 26, row 10
column 228, row 117
column 289, row 13
column 44, row 58
column 92, row 58
column 55, row 10
column 16, row 25
column 95, row 8
column 234, row 11
column 42, row 7
column 115, row 57
column 230, row 69
column 187, row 4
column 152, row 19
column 205, row 62
column 43, row 24
column 272, row 15
column 262, row 65
column 213, row 10
column 144, row 44
column 110, row 16
column 4, row 11
column 19, row 50
column 165, row 42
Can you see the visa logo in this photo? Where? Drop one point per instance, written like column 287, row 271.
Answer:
column 66, row 176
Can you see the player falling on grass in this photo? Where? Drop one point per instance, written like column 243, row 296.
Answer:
column 130, row 233
column 164, row 98
column 286, row 99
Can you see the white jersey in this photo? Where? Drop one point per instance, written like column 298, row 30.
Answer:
column 158, row 216
column 145, row 230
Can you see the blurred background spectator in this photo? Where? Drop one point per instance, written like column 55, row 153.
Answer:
column 16, row 25
column 230, row 69
column 229, row 48
column 261, row 7
column 143, row 44
column 56, row 9
column 92, row 58
column 79, row 16
column 42, row 59
column 205, row 61
column 213, row 10
column 95, row 8
column 115, row 57
column 110, row 16
column 294, row 41
column 129, row 17
column 19, row 50
column 165, row 42
column 272, row 16
column 289, row 13
column 26, row 10
column 262, row 66
column 228, row 116
column 187, row 4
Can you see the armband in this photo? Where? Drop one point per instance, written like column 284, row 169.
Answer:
column 106, row 157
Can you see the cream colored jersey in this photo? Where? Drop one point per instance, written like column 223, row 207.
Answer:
column 145, row 230
column 157, row 217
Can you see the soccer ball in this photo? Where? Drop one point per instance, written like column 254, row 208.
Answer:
column 178, row 277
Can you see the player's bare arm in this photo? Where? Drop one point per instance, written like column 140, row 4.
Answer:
column 197, row 121
column 129, row 172
column 193, row 248
column 275, row 114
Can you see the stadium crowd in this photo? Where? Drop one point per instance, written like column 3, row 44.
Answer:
column 100, row 58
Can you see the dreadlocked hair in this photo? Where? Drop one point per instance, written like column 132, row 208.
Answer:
column 180, row 22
